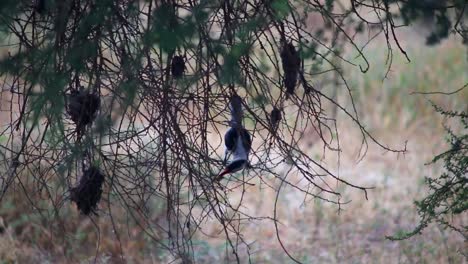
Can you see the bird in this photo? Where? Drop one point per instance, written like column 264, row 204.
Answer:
column 237, row 141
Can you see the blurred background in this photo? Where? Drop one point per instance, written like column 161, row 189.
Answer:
column 312, row 231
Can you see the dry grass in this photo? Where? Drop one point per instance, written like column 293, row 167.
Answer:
column 32, row 237
column 315, row 232
column 312, row 231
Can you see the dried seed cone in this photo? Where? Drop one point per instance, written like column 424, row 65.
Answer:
column 275, row 118
column 177, row 66
column 291, row 64
column 83, row 107
column 87, row 193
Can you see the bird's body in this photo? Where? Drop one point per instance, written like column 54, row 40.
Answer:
column 237, row 141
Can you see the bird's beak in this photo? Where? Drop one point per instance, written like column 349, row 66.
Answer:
column 221, row 174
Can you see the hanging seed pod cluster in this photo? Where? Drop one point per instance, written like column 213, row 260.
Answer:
column 275, row 118
column 177, row 66
column 291, row 64
column 87, row 193
column 83, row 107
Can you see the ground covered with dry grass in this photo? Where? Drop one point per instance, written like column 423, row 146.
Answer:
column 312, row 231
column 317, row 232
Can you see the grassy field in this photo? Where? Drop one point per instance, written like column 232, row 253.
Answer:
column 315, row 232
column 312, row 231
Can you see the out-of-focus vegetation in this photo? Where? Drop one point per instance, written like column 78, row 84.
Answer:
column 313, row 231
column 448, row 193
column 154, row 82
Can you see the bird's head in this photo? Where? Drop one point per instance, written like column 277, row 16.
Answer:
column 234, row 166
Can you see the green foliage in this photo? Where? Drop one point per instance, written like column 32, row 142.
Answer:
column 168, row 31
column 448, row 193
column 437, row 13
column 281, row 8
column 443, row 25
column 329, row 4
column 62, row 54
column 6, row 7
column 254, row 25
column 230, row 72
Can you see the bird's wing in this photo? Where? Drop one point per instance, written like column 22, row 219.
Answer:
column 230, row 139
column 247, row 140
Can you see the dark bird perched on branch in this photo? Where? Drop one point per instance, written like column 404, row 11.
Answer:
column 82, row 108
column 87, row 193
column 177, row 66
column 291, row 64
column 237, row 140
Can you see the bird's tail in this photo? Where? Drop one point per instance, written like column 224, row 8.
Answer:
column 235, row 105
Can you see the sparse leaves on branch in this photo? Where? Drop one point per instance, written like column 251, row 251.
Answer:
column 448, row 193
